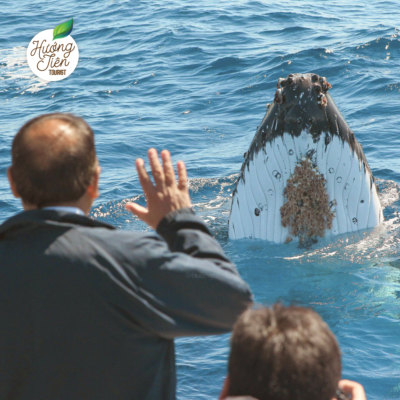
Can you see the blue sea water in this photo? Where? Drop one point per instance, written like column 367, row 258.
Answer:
column 194, row 77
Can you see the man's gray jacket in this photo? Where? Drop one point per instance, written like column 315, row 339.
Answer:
column 90, row 312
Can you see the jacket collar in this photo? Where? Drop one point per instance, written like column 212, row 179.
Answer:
column 33, row 218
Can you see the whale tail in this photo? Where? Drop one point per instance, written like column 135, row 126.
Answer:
column 304, row 175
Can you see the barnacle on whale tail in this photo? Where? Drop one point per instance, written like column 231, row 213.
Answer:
column 306, row 210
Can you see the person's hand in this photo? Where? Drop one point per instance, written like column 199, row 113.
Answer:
column 355, row 389
column 165, row 196
column 240, row 398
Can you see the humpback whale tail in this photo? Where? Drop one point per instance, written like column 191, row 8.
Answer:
column 304, row 175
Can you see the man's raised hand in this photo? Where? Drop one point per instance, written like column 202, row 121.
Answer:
column 165, row 195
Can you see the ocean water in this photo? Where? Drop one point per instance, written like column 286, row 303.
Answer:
column 195, row 78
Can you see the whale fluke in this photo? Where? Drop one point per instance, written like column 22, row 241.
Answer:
column 303, row 142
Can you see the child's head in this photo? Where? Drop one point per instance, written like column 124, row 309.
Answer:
column 283, row 353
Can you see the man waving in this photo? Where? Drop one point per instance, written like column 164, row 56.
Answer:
column 88, row 311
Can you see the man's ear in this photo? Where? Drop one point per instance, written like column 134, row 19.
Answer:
column 225, row 389
column 93, row 189
column 12, row 183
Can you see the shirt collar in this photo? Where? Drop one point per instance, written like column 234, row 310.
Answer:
column 73, row 210
column 38, row 218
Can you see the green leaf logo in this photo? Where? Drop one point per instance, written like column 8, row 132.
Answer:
column 63, row 30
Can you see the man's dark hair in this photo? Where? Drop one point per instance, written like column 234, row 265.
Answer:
column 283, row 353
column 57, row 170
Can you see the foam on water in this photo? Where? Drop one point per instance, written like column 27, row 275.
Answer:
column 16, row 72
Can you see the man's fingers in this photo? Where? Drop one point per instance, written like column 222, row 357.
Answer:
column 139, row 211
column 156, row 169
column 170, row 179
column 144, row 178
column 182, row 174
column 353, row 388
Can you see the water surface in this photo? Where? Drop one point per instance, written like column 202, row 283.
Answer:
column 195, row 78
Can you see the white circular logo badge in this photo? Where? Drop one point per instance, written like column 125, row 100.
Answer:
column 53, row 57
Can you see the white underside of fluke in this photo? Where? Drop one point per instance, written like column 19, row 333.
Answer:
column 261, row 190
